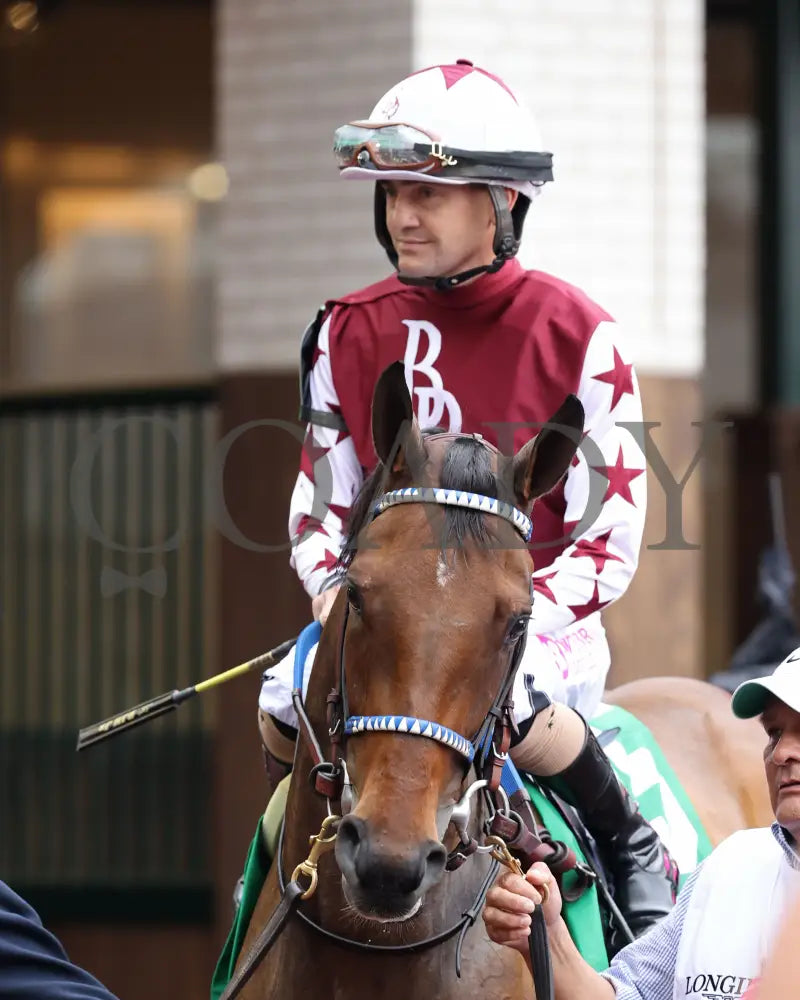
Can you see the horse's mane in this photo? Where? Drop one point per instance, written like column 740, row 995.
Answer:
column 467, row 466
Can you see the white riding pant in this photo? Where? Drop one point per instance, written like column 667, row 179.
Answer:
column 568, row 666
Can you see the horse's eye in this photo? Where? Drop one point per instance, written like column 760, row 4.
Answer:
column 517, row 628
column 354, row 598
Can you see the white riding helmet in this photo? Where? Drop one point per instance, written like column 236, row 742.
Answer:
column 452, row 124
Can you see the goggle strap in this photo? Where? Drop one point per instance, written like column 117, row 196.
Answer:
column 487, row 165
column 495, row 158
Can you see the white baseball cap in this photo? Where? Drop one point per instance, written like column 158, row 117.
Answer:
column 750, row 698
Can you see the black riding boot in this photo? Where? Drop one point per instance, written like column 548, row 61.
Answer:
column 644, row 874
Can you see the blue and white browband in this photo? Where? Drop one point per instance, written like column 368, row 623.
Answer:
column 457, row 498
column 414, row 727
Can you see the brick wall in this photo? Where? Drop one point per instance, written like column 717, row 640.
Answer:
column 293, row 234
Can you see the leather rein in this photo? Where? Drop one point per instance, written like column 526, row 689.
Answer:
column 486, row 754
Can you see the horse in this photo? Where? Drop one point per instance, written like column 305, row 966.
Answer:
column 428, row 627
column 717, row 757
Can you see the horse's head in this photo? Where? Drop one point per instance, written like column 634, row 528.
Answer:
column 437, row 597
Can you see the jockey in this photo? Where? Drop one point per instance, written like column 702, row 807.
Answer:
column 455, row 162
column 729, row 913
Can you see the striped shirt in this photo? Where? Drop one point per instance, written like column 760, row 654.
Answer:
column 645, row 969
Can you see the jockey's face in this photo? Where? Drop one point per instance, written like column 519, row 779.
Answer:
column 782, row 763
column 440, row 229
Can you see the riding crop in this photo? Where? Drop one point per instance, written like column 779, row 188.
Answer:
column 169, row 701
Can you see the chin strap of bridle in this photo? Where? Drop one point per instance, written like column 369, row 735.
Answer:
column 508, row 223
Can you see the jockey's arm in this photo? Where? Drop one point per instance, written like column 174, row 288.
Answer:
column 597, row 567
column 329, row 479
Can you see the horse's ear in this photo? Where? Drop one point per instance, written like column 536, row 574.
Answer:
column 395, row 431
column 541, row 463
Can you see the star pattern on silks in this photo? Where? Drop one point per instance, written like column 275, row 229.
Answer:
column 619, row 479
column 569, row 527
column 318, row 353
column 310, row 455
column 328, row 562
column 541, row 586
column 593, row 604
column 596, row 549
column 339, row 510
column 620, row 377
column 309, row 525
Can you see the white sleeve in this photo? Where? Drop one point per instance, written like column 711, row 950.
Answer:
column 330, row 477
column 605, row 493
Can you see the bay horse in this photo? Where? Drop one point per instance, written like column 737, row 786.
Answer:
column 434, row 606
column 432, row 611
column 718, row 758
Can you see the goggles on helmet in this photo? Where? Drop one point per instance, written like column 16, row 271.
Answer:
column 399, row 146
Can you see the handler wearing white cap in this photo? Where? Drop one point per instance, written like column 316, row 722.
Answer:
column 715, row 941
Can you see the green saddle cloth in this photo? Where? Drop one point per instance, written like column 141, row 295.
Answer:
column 256, row 868
column 640, row 765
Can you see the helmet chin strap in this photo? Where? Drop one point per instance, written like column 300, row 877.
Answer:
column 452, row 280
column 505, row 244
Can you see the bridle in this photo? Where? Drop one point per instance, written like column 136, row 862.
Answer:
column 491, row 753
column 486, row 752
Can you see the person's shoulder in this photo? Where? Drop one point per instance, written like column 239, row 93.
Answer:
column 559, row 290
column 11, row 903
column 379, row 291
column 564, row 304
column 350, row 317
column 752, row 835
column 33, row 960
column 755, row 842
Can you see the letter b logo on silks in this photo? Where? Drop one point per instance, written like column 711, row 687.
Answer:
column 433, row 399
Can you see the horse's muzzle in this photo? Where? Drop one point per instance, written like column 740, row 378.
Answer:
column 382, row 884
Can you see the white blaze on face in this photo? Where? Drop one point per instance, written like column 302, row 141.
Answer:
column 444, row 572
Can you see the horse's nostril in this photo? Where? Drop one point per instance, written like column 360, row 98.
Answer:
column 391, row 876
column 350, row 835
column 435, row 861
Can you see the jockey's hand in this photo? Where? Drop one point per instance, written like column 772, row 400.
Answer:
column 510, row 903
column 321, row 605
